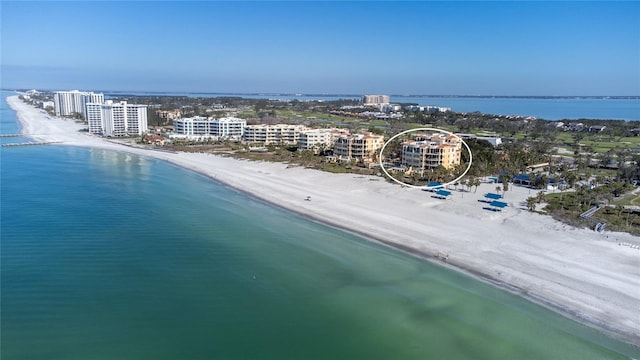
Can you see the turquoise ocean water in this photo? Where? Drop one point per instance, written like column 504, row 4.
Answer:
column 107, row 255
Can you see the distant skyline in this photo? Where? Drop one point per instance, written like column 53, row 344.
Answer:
column 454, row 48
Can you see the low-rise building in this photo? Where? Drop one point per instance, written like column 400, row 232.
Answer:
column 46, row 104
column 153, row 139
column 432, row 109
column 427, row 152
column 273, row 134
column 436, row 109
column 198, row 127
column 596, row 128
column 168, row 114
column 317, row 139
column 229, row 127
column 390, row 107
column 493, row 139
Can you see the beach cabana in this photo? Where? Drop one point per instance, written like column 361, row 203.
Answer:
column 432, row 186
column 499, row 204
column 496, row 206
column 493, row 196
column 522, row 179
column 442, row 194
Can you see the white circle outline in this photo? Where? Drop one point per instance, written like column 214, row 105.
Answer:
column 425, row 187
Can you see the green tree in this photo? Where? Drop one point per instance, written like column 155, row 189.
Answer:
column 531, row 203
column 476, row 183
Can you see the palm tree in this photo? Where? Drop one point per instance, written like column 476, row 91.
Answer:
column 476, row 183
column 532, row 179
column 570, row 177
column 531, row 203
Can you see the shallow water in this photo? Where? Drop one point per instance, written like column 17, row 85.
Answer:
column 107, row 255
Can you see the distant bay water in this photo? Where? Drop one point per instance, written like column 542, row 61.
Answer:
column 108, row 255
column 548, row 108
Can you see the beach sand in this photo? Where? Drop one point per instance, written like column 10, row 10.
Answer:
column 579, row 273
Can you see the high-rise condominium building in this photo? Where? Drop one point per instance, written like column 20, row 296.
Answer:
column 94, row 118
column 67, row 103
column 375, row 99
column 117, row 119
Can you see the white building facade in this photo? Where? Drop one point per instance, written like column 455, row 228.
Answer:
column 229, row 128
column 91, row 98
column 209, row 128
column 66, row 103
column 117, row 119
column 316, row 139
column 94, row 118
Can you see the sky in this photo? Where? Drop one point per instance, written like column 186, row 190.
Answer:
column 517, row 48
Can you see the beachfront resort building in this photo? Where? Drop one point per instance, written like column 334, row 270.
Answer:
column 117, row 119
column 199, row 127
column 66, row 103
column 375, row 100
column 318, row 139
column 273, row 134
column 427, row 152
column 360, row 147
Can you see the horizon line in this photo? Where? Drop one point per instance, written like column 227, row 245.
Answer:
column 337, row 94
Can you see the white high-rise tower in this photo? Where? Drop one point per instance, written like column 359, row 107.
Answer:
column 67, row 103
column 117, row 119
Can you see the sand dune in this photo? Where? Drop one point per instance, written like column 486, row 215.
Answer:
column 580, row 273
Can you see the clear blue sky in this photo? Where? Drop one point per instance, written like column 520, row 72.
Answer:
column 472, row 48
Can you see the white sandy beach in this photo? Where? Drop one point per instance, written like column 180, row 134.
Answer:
column 580, row 273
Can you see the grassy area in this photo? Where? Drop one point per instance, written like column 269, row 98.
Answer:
column 598, row 172
column 378, row 123
column 246, row 114
column 604, row 147
column 619, row 220
column 568, row 206
column 565, row 138
column 409, row 126
column 599, row 143
column 311, row 116
column 631, row 199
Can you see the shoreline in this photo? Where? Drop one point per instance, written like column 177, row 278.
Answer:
column 574, row 272
column 458, row 267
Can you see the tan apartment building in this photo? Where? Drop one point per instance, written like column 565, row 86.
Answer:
column 273, row 134
column 317, row 139
column 362, row 147
column 427, row 152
